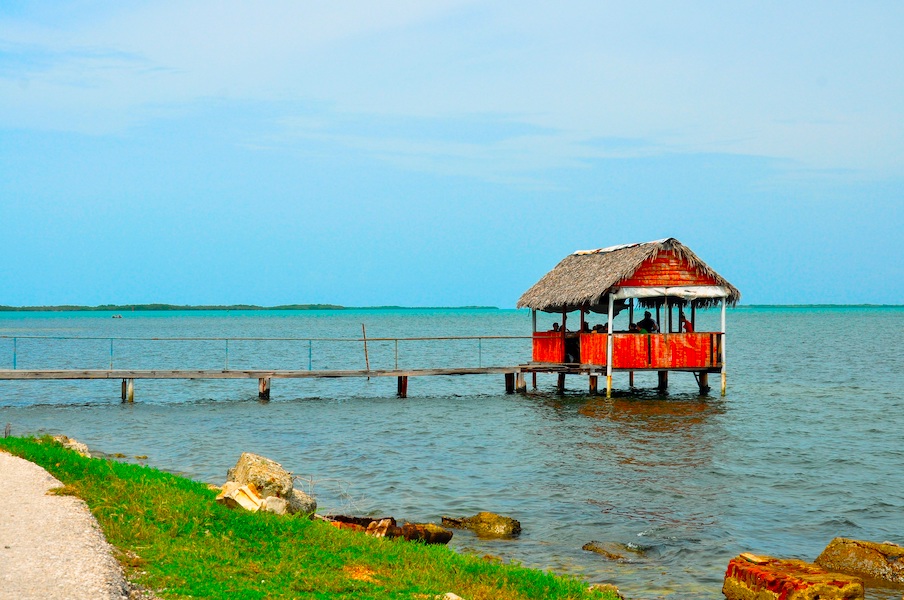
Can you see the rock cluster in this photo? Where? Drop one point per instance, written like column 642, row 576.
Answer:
column 486, row 524
column 258, row 483
column 73, row 444
column 751, row 577
column 840, row 571
column 428, row 533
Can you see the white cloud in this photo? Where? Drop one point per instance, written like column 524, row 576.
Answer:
column 813, row 82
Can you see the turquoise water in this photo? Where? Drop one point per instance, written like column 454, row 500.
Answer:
column 807, row 445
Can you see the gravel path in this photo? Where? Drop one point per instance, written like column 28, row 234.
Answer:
column 50, row 546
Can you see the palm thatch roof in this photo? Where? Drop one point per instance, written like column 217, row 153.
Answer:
column 586, row 278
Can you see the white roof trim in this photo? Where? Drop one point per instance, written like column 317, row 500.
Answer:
column 689, row 292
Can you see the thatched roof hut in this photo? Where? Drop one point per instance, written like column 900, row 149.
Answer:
column 651, row 272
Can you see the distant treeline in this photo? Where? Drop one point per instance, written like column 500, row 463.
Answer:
column 134, row 307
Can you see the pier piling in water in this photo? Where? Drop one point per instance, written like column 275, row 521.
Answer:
column 403, row 387
column 263, row 388
column 520, row 383
column 128, row 390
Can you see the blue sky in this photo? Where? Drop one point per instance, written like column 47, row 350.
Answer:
column 444, row 153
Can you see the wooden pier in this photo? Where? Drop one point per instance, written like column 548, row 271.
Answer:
column 514, row 376
column 303, row 348
column 264, row 377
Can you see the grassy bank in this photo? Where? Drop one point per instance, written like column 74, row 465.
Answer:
column 171, row 537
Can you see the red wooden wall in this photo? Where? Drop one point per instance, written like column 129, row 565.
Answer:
column 635, row 350
column 666, row 270
column 593, row 348
column 549, row 346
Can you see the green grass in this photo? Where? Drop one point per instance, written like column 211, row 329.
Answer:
column 171, row 537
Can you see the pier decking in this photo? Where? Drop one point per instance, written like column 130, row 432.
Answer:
column 263, row 376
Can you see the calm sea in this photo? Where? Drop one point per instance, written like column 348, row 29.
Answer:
column 807, row 445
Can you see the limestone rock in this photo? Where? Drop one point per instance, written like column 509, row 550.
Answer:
column 751, row 577
column 382, row 528
column 883, row 561
column 245, row 496
column 267, row 475
column 607, row 587
column 486, row 524
column 73, row 444
column 609, row 550
column 275, row 505
column 301, row 503
column 426, row 532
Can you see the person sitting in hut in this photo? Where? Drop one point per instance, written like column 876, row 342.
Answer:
column 601, row 328
column 647, row 324
column 632, row 328
column 685, row 324
column 555, row 327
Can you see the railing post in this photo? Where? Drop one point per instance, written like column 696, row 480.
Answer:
column 397, row 354
column 111, row 354
column 479, row 353
column 310, row 355
column 14, row 353
column 226, row 367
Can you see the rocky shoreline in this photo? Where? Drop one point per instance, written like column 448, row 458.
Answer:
column 844, row 570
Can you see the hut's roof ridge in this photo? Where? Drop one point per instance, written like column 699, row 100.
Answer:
column 617, row 247
column 585, row 277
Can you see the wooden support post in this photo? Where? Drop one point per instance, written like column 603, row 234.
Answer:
column 520, row 384
column 509, row 383
column 609, row 338
column 663, row 380
column 561, row 384
column 403, row 386
column 593, row 384
column 128, row 390
column 723, row 346
column 534, row 377
column 630, row 378
column 263, row 388
column 703, row 382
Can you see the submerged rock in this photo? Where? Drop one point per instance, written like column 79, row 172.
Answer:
column 883, row 561
column 607, row 549
column 486, row 524
column 615, row 551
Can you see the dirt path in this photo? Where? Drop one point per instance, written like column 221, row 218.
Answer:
column 50, row 546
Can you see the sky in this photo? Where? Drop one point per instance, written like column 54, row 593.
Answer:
column 444, row 153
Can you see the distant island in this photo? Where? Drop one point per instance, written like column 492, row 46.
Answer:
column 142, row 307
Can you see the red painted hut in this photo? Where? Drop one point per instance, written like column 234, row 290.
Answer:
column 662, row 276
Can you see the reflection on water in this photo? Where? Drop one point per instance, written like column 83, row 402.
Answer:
column 807, row 445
